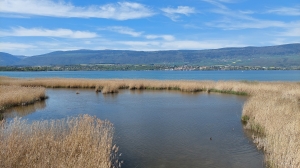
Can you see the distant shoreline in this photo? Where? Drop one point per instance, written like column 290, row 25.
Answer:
column 140, row 67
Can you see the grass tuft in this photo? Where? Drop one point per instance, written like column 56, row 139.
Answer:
column 110, row 89
column 245, row 119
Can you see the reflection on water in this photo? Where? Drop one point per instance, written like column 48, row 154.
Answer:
column 109, row 96
column 21, row 111
column 164, row 128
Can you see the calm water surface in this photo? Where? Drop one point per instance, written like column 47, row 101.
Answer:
column 159, row 129
column 166, row 75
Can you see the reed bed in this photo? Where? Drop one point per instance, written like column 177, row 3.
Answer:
column 272, row 110
column 19, row 95
column 110, row 86
column 82, row 141
column 276, row 117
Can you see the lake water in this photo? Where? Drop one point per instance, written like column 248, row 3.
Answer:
column 158, row 129
column 275, row 75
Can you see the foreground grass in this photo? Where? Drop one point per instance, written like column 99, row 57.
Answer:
column 82, row 141
column 273, row 109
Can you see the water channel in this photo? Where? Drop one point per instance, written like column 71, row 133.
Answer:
column 160, row 128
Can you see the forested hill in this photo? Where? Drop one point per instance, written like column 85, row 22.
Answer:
column 281, row 55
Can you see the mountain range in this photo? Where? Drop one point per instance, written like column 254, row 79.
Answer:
column 280, row 55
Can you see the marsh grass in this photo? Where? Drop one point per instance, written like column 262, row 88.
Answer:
column 272, row 109
column 110, row 89
column 19, row 95
column 82, row 141
column 276, row 114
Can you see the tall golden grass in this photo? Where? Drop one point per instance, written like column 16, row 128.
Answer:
column 82, row 141
column 19, row 95
column 276, row 115
column 110, row 86
column 273, row 109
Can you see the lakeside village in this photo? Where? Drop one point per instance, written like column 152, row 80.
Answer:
column 128, row 67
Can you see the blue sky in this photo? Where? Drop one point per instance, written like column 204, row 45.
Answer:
column 32, row 27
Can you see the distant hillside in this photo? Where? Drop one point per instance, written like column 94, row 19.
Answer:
column 8, row 59
column 281, row 55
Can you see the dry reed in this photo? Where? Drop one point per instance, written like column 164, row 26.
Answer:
column 273, row 109
column 82, row 141
column 19, row 95
column 276, row 115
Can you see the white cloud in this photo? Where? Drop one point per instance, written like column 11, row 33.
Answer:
column 165, row 37
column 124, row 30
column 140, row 45
column 40, row 32
column 239, row 19
column 229, row 24
column 286, row 11
column 215, row 3
column 246, row 12
column 184, row 10
column 190, row 44
column 229, row 1
column 174, row 13
column 233, row 14
column 118, row 11
column 178, row 45
column 192, row 26
column 133, row 33
column 14, row 46
column 8, row 15
column 233, row 19
column 292, row 32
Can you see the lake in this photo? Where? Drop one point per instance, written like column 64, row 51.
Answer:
column 275, row 75
column 160, row 128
